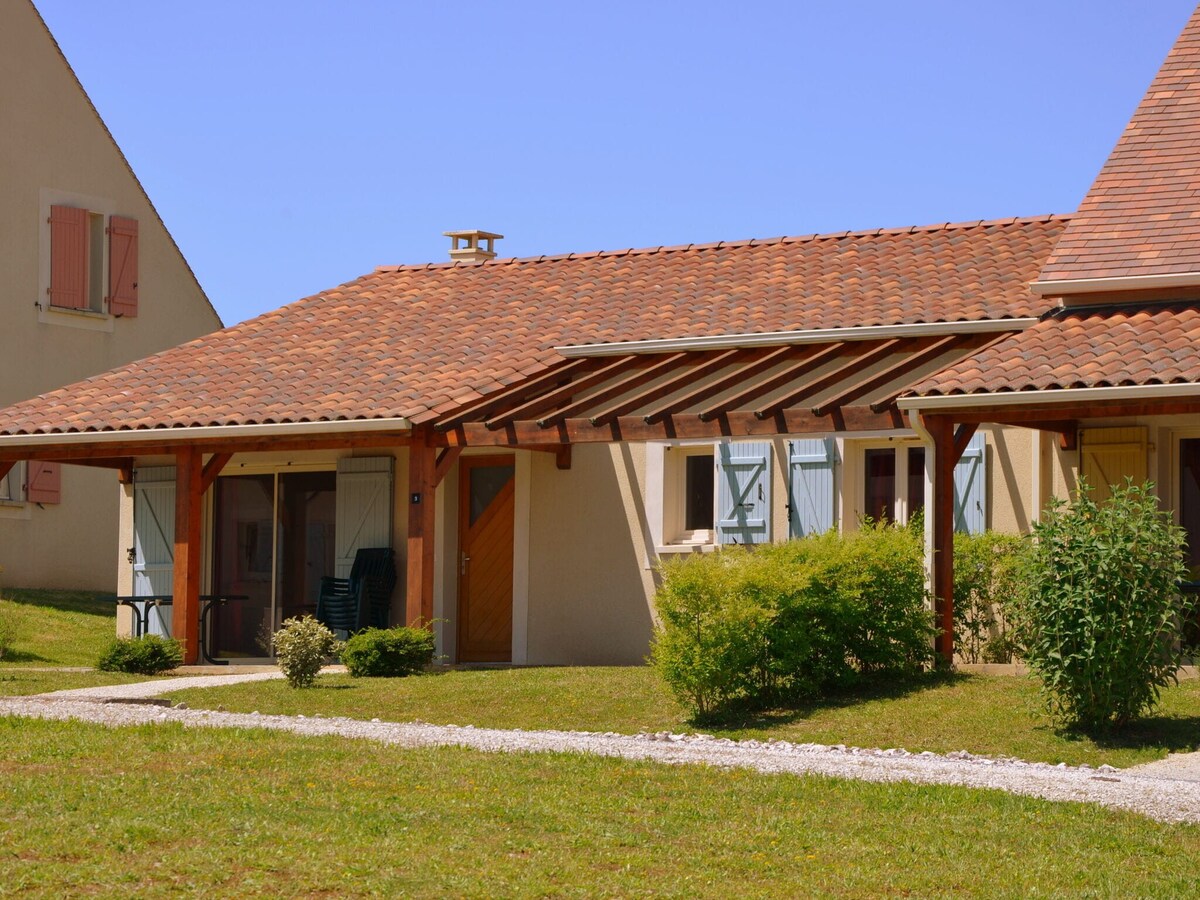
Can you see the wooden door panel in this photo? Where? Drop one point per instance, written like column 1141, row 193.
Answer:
column 486, row 570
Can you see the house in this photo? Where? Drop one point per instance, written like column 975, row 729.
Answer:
column 91, row 280
column 532, row 435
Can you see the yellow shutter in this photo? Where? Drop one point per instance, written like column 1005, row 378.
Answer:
column 1108, row 456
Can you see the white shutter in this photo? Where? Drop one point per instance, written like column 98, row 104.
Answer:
column 810, row 491
column 970, row 487
column 364, row 507
column 744, row 492
column 154, row 540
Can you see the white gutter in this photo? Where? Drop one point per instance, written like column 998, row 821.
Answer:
column 184, row 433
column 811, row 336
column 1122, row 283
column 1058, row 395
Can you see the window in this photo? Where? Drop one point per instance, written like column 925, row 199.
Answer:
column 90, row 257
column 11, row 485
column 689, row 501
column 893, row 483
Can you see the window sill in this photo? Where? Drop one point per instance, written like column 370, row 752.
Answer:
column 14, row 509
column 689, row 547
column 87, row 319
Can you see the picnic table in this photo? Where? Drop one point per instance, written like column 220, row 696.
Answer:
column 142, row 605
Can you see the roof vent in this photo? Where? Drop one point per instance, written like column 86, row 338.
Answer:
column 473, row 245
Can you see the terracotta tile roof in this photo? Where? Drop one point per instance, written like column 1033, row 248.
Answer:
column 1142, row 214
column 421, row 340
column 1078, row 348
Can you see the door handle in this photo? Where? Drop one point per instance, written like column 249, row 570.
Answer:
column 463, row 564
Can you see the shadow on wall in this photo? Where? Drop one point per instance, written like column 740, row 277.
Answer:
column 588, row 588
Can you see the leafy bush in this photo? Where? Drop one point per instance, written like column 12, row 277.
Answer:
column 145, row 655
column 1100, row 615
column 786, row 622
column 302, row 646
column 987, row 578
column 388, row 653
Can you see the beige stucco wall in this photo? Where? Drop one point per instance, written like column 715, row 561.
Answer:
column 53, row 148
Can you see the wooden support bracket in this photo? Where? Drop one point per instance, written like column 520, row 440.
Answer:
column 212, row 469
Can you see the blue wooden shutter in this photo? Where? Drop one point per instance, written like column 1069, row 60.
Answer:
column 744, row 492
column 810, row 491
column 363, row 516
column 154, row 540
column 970, row 488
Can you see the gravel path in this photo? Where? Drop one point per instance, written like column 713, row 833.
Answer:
column 1155, row 796
column 142, row 689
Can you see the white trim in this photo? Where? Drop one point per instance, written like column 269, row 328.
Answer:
column 1058, row 395
column 815, row 335
column 1120, row 283
column 186, row 433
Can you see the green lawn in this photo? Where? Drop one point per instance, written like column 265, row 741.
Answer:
column 161, row 810
column 17, row 682
column 998, row 716
column 57, row 628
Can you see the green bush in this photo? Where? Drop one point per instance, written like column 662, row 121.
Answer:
column 784, row 623
column 987, row 578
column 388, row 653
column 1100, row 613
column 145, row 655
column 302, row 646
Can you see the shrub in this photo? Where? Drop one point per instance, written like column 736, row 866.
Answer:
column 986, row 580
column 302, row 646
column 388, row 653
column 1100, row 614
column 784, row 623
column 145, row 655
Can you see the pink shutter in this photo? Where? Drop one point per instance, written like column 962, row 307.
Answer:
column 69, row 257
column 122, row 266
column 44, row 484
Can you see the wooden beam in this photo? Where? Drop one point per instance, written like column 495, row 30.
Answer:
column 1026, row 415
column 185, row 611
column 686, row 376
column 550, row 399
column 520, row 391
column 941, row 429
column 212, row 469
column 962, row 437
column 1068, row 438
column 889, row 374
column 445, row 460
column 562, row 458
column 125, row 474
column 422, row 487
column 830, row 379
column 987, row 340
column 621, row 385
column 6, row 467
column 103, row 449
column 796, row 370
column 704, row 392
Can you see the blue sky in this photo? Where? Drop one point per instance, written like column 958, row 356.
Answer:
column 291, row 146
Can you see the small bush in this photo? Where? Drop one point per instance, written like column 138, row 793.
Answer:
column 986, row 581
column 1100, row 613
column 302, row 646
column 145, row 655
column 783, row 623
column 388, row 653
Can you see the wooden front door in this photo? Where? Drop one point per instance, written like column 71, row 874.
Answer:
column 485, row 542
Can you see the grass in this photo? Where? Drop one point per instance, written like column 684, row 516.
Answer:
column 997, row 716
column 57, row 628
column 162, row 810
column 15, row 682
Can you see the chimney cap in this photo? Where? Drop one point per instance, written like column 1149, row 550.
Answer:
column 479, row 245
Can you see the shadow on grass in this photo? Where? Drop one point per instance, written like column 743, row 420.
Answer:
column 24, row 656
column 92, row 603
column 872, row 689
column 1175, row 734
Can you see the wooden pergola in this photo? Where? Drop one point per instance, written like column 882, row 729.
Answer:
column 614, row 394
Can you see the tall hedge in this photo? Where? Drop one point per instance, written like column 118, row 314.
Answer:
column 785, row 623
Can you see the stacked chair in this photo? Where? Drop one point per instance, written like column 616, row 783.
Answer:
column 349, row 605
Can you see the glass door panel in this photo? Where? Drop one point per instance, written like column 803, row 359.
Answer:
column 306, row 549
column 244, row 507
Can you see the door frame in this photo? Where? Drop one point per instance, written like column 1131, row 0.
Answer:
column 465, row 465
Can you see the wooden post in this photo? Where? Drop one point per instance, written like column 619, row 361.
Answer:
column 422, row 485
column 185, row 614
column 944, row 458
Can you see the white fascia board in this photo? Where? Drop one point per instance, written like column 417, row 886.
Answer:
column 811, row 336
column 1121, row 283
column 1058, row 395
column 185, row 434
